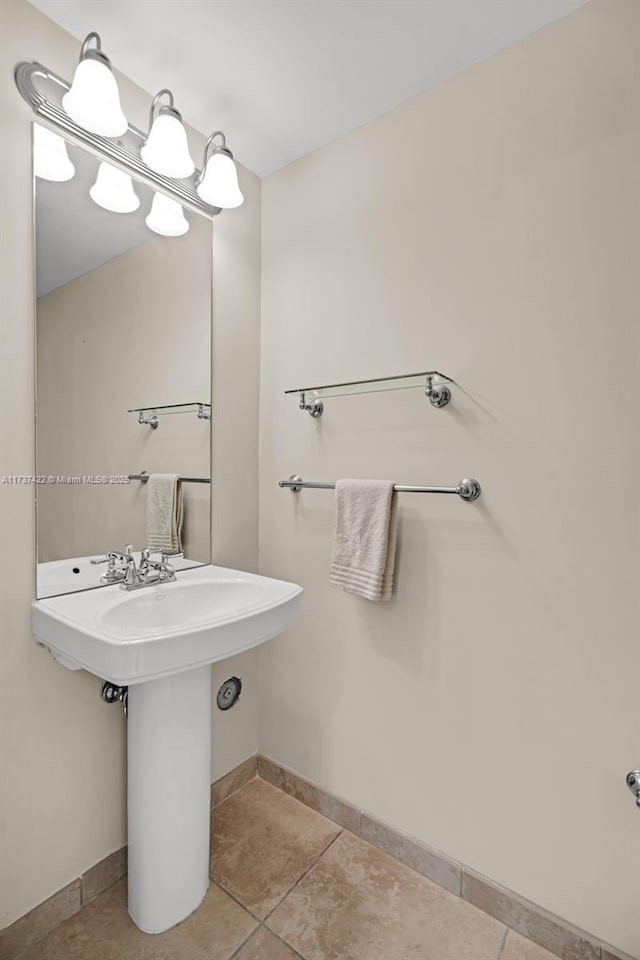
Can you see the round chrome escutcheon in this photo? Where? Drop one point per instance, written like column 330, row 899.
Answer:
column 229, row 693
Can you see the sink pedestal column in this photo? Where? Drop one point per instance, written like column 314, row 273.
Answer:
column 168, row 797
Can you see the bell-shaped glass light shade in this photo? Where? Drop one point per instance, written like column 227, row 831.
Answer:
column 166, row 217
column 114, row 191
column 166, row 149
column 93, row 100
column 50, row 157
column 219, row 186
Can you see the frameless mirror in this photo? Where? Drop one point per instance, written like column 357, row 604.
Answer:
column 123, row 368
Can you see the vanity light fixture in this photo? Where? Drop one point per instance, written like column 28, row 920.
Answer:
column 218, row 183
column 166, row 149
column 93, row 100
column 113, row 190
column 88, row 112
column 166, row 217
column 50, row 158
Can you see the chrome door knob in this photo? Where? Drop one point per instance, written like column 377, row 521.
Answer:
column 633, row 782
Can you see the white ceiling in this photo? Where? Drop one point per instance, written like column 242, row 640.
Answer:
column 283, row 77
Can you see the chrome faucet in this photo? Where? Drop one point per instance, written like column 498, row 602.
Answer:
column 118, row 564
column 149, row 571
column 122, row 568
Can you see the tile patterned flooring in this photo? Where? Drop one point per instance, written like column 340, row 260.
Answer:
column 289, row 884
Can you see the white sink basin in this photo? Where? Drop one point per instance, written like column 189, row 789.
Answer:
column 207, row 614
column 149, row 613
column 160, row 642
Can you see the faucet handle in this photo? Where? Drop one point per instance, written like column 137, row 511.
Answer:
column 167, row 570
column 165, row 557
column 96, row 560
column 171, row 556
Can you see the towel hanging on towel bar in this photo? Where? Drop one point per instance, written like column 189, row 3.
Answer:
column 144, row 477
column 467, row 489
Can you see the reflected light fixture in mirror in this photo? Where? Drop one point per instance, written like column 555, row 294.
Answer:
column 218, row 184
column 93, row 100
column 113, row 190
column 166, row 217
column 166, row 149
column 50, row 158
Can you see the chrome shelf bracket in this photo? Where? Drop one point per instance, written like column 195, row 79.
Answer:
column 314, row 408
column 151, row 421
column 438, row 395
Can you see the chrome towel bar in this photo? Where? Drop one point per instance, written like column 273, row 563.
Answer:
column 467, row 489
column 144, row 476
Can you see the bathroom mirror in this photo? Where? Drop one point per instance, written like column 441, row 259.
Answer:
column 123, row 322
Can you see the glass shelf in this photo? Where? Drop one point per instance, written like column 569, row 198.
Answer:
column 194, row 407
column 434, row 383
column 402, row 382
column 149, row 414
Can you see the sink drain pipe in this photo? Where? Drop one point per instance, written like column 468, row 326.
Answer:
column 112, row 693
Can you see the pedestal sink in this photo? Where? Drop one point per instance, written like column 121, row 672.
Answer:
column 160, row 642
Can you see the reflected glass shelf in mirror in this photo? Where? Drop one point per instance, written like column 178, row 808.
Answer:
column 150, row 414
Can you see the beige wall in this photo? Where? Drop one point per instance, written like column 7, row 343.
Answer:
column 61, row 749
column 135, row 330
column 488, row 228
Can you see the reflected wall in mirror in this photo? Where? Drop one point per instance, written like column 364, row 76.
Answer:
column 123, row 320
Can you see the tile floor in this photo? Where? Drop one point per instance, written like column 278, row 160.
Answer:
column 290, row 884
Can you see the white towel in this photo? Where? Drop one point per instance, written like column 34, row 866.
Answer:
column 164, row 512
column 364, row 538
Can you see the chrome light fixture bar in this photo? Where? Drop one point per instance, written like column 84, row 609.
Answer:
column 43, row 91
